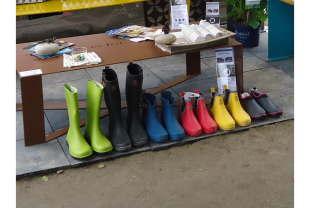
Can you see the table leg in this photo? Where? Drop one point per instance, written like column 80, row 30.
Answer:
column 193, row 63
column 33, row 112
column 238, row 53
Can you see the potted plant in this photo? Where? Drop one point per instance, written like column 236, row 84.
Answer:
column 247, row 21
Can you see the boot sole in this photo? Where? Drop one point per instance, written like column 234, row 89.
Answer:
column 77, row 158
column 259, row 116
column 275, row 114
column 139, row 144
column 95, row 151
column 122, row 149
column 177, row 138
column 228, row 128
column 244, row 124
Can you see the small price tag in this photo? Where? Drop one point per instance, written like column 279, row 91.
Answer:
column 30, row 72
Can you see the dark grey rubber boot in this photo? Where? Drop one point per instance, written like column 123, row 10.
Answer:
column 117, row 131
column 135, row 129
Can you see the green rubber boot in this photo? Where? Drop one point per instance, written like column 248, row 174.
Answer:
column 78, row 146
column 99, row 143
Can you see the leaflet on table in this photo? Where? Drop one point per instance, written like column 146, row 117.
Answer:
column 178, row 13
column 225, row 69
column 133, row 33
column 213, row 13
column 62, row 45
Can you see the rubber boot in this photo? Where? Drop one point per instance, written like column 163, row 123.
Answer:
column 187, row 117
column 135, row 129
column 232, row 103
column 208, row 125
column 220, row 113
column 112, row 96
column 266, row 103
column 78, row 146
column 154, row 128
column 168, row 117
column 249, row 104
column 99, row 143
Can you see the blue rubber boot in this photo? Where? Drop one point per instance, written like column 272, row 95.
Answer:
column 154, row 128
column 169, row 118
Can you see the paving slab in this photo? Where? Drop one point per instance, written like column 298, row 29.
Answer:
column 39, row 158
column 20, row 126
column 256, row 123
column 287, row 65
column 250, row 62
column 95, row 157
column 55, row 92
column 207, row 53
column 261, row 50
column 187, row 140
column 284, row 98
column 58, row 119
column 104, row 128
column 204, row 86
column 173, row 71
column 267, row 80
column 68, row 76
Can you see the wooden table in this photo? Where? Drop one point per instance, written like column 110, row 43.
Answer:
column 112, row 51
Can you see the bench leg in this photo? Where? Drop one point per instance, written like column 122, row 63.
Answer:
column 193, row 65
column 238, row 53
column 33, row 112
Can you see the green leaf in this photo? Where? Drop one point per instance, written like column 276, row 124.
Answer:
column 263, row 18
column 232, row 13
column 228, row 2
column 254, row 22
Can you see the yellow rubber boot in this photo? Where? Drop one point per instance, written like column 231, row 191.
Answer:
column 235, row 109
column 220, row 113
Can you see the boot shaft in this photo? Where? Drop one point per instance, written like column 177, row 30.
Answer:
column 150, row 101
column 167, row 104
column 112, row 95
column 94, row 96
column 72, row 105
column 134, row 81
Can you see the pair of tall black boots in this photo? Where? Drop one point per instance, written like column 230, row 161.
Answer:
column 135, row 134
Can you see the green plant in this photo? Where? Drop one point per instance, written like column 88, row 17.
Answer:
column 245, row 16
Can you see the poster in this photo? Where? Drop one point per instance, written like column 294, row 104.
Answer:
column 178, row 13
column 213, row 13
column 225, row 69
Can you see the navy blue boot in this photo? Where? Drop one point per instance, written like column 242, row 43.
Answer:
column 154, row 128
column 169, row 118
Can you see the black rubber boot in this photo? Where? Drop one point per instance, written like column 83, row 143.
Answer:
column 117, row 131
column 134, row 80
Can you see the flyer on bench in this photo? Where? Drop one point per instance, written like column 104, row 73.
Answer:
column 225, row 69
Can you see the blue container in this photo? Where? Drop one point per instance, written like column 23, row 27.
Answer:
column 246, row 35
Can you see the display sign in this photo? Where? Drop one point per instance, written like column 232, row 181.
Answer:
column 252, row 4
column 178, row 13
column 213, row 13
column 225, row 69
column 31, row 72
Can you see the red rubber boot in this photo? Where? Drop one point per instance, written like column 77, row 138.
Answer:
column 187, row 118
column 209, row 126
